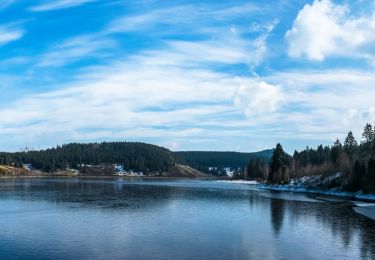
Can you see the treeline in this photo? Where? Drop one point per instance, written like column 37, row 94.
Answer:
column 216, row 162
column 356, row 162
column 132, row 155
column 260, row 169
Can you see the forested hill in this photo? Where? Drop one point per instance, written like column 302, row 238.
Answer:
column 132, row 155
column 203, row 160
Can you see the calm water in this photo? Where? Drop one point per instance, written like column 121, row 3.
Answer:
column 152, row 219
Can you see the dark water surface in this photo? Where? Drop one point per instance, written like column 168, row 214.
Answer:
column 68, row 218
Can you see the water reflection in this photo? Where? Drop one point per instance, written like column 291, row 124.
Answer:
column 277, row 215
column 343, row 224
column 103, row 193
column 116, row 218
column 118, row 193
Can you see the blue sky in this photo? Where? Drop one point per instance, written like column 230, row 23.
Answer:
column 187, row 75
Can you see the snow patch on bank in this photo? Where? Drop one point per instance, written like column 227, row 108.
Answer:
column 333, row 192
column 289, row 188
column 314, row 184
column 365, row 196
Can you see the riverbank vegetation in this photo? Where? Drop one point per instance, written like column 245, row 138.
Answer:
column 355, row 163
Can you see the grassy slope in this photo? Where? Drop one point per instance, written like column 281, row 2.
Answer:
column 184, row 171
column 12, row 171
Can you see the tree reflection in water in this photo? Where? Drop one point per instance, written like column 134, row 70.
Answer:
column 277, row 215
column 337, row 218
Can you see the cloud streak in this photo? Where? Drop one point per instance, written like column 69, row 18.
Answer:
column 9, row 34
column 76, row 49
column 140, row 99
column 169, row 18
column 59, row 4
column 216, row 76
column 5, row 3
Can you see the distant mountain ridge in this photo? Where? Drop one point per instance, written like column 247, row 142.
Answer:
column 201, row 160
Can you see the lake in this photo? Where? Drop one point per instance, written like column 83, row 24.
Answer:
column 93, row 218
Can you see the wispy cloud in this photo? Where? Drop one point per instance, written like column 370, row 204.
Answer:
column 184, row 15
column 322, row 102
column 141, row 99
column 135, row 98
column 112, row 103
column 224, row 51
column 188, row 75
column 75, row 49
column 227, row 47
column 59, row 4
column 154, row 92
column 9, row 33
column 6, row 3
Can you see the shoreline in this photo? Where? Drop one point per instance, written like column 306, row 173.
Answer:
column 280, row 188
column 351, row 195
column 103, row 177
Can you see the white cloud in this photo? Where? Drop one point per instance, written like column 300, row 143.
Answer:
column 324, row 29
column 352, row 117
column 9, row 34
column 263, row 27
column 59, row 4
column 258, row 98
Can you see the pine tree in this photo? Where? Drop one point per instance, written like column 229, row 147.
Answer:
column 336, row 151
column 279, row 160
column 369, row 179
column 350, row 145
column 368, row 133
